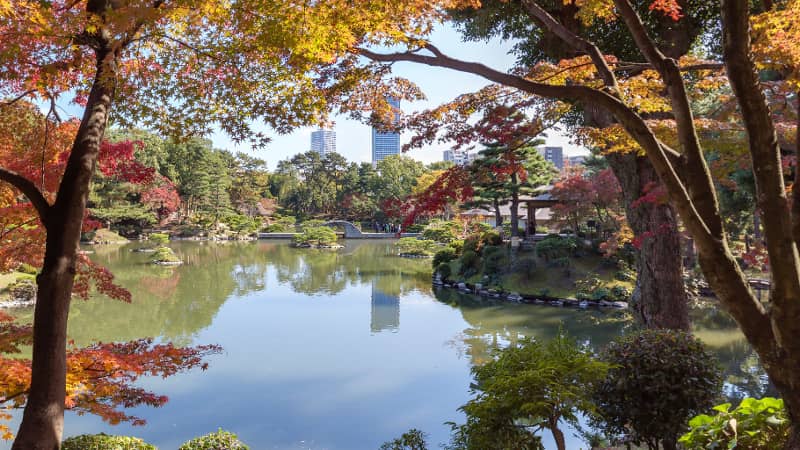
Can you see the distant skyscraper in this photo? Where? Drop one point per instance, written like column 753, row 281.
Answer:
column 553, row 154
column 323, row 142
column 385, row 314
column 449, row 155
column 385, row 144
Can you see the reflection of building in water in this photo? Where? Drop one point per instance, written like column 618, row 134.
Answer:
column 385, row 311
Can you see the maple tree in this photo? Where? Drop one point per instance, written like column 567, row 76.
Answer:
column 176, row 66
column 773, row 328
column 583, row 196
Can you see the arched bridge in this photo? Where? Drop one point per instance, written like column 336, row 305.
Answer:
column 350, row 230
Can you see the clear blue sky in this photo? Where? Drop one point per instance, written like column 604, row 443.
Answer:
column 353, row 139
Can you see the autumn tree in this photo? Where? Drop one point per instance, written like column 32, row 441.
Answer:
column 586, row 196
column 773, row 328
column 176, row 66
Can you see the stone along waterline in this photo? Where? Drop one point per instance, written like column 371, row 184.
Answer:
column 322, row 349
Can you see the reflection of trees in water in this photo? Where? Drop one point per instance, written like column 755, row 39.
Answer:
column 311, row 271
column 177, row 302
column 496, row 324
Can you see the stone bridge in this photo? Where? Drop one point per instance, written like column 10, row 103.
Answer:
column 350, row 230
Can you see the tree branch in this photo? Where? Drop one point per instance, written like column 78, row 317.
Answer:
column 549, row 22
column 29, row 190
column 698, row 177
column 765, row 155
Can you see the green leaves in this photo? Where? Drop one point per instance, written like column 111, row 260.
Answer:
column 754, row 424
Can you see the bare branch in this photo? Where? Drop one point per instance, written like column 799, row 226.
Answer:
column 30, row 191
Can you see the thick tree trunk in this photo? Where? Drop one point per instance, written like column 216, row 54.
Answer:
column 43, row 418
column 659, row 298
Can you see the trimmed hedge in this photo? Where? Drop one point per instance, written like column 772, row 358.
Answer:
column 220, row 440
column 105, row 442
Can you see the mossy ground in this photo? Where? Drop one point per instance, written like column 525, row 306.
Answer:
column 555, row 281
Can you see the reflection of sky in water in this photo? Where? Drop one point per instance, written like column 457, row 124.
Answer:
column 315, row 356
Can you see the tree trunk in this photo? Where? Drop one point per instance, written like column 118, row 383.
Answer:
column 498, row 216
column 43, row 418
column 558, row 435
column 514, row 216
column 659, row 298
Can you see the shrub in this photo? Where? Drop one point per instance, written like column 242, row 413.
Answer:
column 620, row 293
column 525, row 266
column 105, row 442
column 444, row 270
column 538, row 384
column 158, row 239
column 472, row 243
column 457, row 246
column 414, row 246
column 241, row 223
column 753, row 425
column 319, row 235
column 469, row 262
column 555, row 246
column 442, row 231
column 312, row 223
column 658, row 380
column 444, row 255
column 495, row 260
column 164, row 254
column 23, row 288
column 412, row 439
column 491, row 237
column 28, row 269
column 221, row 440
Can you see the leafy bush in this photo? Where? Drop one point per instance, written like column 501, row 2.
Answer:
column 314, row 236
column 23, row 288
column 27, row 268
column 555, row 246
column 158, row 239
column 414, row 246
column 753, row 425
column 281, row 224
column 221, row 440
column 495, row 260
column 105, row 442
column 491, row 237
column 444, row 270
column 444, row 255
column 457, row 246
column 312, row 223
column 442, row 231
column 620, row 293
column 414, row 228
column 469, row 263
column 538, row 384
column 164, row 255
column 658, row 380
column 412, row 439
column 241, row 223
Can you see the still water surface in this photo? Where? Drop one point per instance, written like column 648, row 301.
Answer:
column 325, row 349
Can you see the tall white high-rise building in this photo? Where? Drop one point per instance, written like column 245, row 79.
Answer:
column 323, row 142
column 385, row 144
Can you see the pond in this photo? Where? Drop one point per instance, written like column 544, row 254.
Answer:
column 326, row 349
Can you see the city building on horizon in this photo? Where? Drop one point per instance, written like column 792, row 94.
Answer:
column 385, row 144
column 553, row 154
column 323, row 142
column 575, row 161
column 459, row 157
